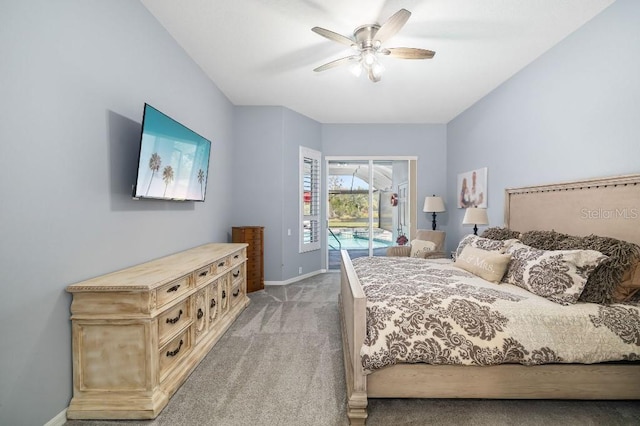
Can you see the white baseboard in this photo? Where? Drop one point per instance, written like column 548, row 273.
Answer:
column 295, row 279
column 58, row 420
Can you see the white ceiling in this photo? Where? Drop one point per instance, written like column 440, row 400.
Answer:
column 263, row 52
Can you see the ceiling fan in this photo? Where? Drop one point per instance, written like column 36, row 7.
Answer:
column 367, row 41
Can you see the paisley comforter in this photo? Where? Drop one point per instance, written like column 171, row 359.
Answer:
column 433, row 312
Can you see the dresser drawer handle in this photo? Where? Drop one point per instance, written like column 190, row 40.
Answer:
column 236, row 275
column 203, row 273
column 236, row 293
column 224, row 294
column 220, row 265
column 200, row 313
column 174, row 353
column 236, row 256
column 174, row 288
column 176, row 319
column 213, row 303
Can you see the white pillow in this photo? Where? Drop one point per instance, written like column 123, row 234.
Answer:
column 420, row 248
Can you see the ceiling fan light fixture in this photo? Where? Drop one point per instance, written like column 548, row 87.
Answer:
column 369, row 58
column 377, row 68
column 356, row 69
column 374, row 76
column 375, row 72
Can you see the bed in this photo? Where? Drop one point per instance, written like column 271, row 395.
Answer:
column 609, row 207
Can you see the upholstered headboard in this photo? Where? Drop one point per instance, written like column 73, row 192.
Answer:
column 609, row 207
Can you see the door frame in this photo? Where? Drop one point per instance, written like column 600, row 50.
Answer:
column 411, row 203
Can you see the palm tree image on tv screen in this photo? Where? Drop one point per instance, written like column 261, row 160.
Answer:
column 181, row 154
column 154, row 164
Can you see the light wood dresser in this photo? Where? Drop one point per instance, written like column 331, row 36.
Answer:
column 138, row 333
column 254, row 236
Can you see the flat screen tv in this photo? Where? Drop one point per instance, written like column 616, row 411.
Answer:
column 173, row 161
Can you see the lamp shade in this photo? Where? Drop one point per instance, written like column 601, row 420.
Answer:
column 475, row 216
column 433, row 205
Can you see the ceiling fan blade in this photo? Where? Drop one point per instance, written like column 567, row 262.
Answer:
column 333, row 36
column 393, row 25
column 337, row 62
column 408, row 53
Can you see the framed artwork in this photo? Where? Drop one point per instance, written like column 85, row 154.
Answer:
column 472, row 189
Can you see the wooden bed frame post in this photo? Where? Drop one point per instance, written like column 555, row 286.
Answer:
column 353, row 310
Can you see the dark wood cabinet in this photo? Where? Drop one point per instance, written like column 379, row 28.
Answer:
column 254, row 236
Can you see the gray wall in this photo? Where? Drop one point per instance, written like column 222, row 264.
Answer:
column 266, row 188
column 75, row 76
column 426, row 141
column 257, row 179
column 572, row 114
column 299, row 130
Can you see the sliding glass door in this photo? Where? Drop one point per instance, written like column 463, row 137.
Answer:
column 363, row 206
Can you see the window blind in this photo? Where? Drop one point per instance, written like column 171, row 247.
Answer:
column 310, row 173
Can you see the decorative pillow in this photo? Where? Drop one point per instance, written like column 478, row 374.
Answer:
column 546, row 240
column 603, row 282
column 500, row 233
column 419, row 248
column 557, row 275
column 483, row 243
column 629, row 286
column 490, row 265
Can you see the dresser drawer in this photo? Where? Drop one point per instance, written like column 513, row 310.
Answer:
column 173, row 320
column 221, row 265
column 172, row 290
column 237, row 258
column 236, row 294
column 202, row 275
column 254, row 275
column 171, row 353
column 237, row 275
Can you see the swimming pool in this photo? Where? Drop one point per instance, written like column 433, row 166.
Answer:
column 348, row 242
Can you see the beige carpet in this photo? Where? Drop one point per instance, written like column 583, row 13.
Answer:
column 281, row 364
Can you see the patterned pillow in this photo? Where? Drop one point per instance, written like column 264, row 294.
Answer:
column 500, row 233
column 490, row 265
column 419, row 248
column 557, row 275
column 629, row 286
column 484, row 244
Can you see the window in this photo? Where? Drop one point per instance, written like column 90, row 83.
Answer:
column 309, row 199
